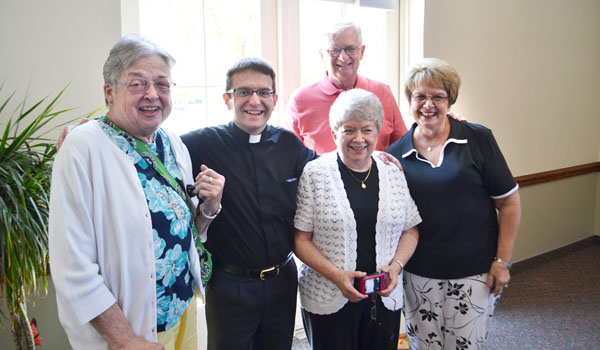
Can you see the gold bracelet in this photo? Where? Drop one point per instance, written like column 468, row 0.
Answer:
column 505, row 263
column 399, row 263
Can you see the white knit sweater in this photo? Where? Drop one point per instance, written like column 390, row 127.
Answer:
column 324, row 210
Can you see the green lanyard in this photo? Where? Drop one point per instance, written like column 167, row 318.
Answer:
column 142, row 148
column 158, row 166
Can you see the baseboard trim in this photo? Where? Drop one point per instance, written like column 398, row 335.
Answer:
column 544, row 258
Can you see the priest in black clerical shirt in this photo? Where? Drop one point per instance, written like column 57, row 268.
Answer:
column 251, row 298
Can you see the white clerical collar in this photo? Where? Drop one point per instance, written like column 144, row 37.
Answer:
column 254, row 138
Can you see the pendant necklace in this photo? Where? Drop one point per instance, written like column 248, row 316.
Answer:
column 430, row 147
column 362, row 182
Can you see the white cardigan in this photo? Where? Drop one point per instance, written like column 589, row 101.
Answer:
column 101, row 242
column 324, row 210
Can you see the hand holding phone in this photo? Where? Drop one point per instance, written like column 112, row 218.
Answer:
column 373, row 283
column 344, row 280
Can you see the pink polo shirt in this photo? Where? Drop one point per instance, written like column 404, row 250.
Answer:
column 307, row 114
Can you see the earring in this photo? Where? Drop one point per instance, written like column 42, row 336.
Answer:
column 112, row 102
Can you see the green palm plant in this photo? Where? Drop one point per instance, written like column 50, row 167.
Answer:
column 26, row 155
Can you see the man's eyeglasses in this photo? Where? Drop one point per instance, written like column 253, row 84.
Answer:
column 245, row 92
column 139, row 86
column 422, row 98
column 349, row 50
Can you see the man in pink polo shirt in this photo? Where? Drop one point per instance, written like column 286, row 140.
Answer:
column 307, row 113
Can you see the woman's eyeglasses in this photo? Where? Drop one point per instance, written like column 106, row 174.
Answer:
column 419, row 98
column 139, row 86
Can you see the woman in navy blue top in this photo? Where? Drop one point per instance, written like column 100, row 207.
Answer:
column 458, row 179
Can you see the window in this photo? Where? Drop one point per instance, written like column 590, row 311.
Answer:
column 207, row 36
column 315, row 18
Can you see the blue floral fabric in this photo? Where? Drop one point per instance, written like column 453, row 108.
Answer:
column 171, row 222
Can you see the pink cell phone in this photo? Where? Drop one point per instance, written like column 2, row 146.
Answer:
column 373, row 283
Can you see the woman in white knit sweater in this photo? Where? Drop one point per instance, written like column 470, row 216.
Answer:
column 355, row 217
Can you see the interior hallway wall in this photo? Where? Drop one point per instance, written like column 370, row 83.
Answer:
column 47, row 45
column 529, row 72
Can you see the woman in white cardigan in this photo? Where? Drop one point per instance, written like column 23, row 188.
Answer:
column 355, row 217
column 121, row 228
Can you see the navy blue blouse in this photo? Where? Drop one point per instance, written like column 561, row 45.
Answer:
column 459, row 233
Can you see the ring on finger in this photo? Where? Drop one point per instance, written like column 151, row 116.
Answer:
column 210, row 179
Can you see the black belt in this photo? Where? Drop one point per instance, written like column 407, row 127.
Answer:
column 262, row 274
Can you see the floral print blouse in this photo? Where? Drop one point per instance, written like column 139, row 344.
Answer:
column 171, row 223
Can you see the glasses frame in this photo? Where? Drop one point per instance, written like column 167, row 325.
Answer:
column 133, row 88
column 337, row 51
column 435, row 99
column 252, row 92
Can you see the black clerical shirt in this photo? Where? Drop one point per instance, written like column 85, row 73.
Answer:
column 255, row 229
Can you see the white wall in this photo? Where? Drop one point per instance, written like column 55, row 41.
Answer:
column 54, row 43
column 530, row 73
column 51, row 44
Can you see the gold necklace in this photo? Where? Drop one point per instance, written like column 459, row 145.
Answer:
column 362, row 182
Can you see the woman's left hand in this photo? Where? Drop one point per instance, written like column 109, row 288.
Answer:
column 498, row 278
column 393, row 270
column 388, row 158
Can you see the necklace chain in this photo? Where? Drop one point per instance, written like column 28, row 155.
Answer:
column 437, row 143
column 362, row 182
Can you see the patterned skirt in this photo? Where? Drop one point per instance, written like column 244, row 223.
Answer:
column 447, row 314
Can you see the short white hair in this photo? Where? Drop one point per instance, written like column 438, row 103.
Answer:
column 340, row 27
column 356, row 104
